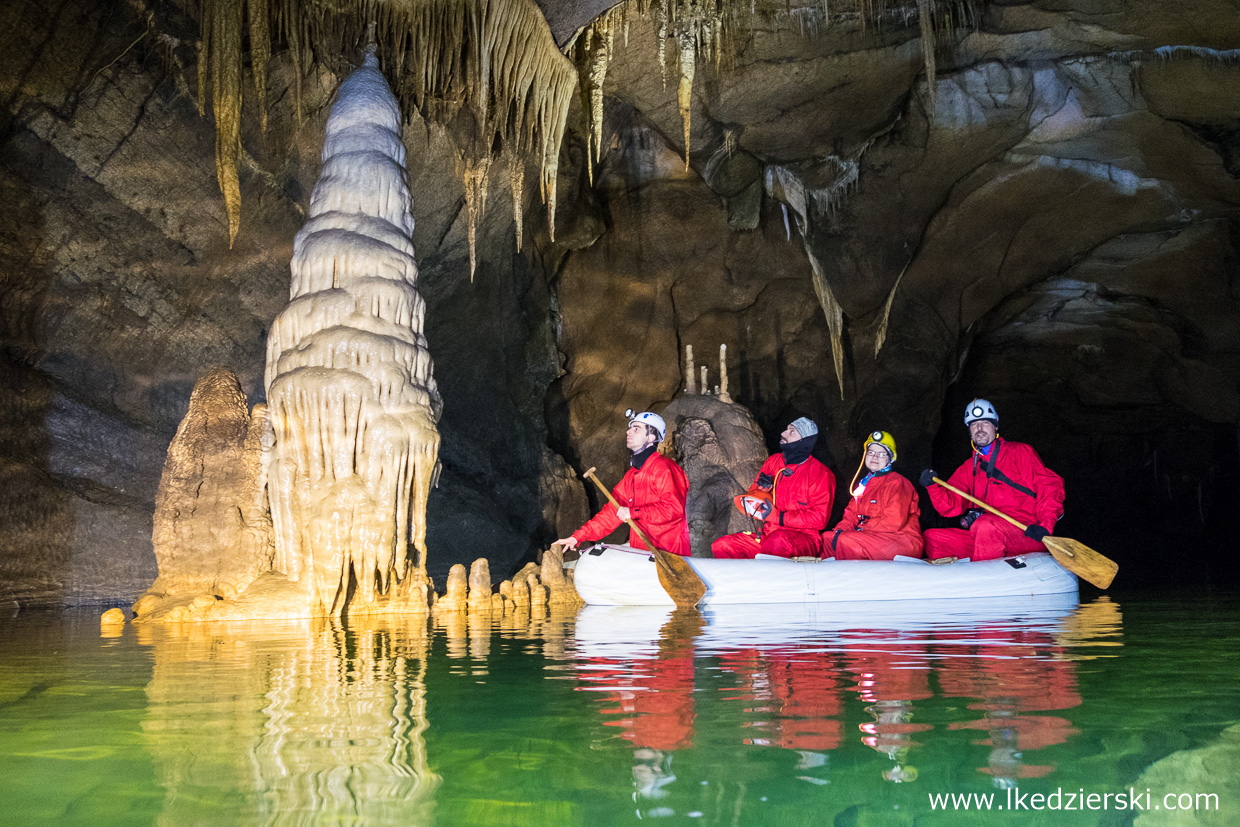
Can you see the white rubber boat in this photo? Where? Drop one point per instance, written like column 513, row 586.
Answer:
column 608, row 575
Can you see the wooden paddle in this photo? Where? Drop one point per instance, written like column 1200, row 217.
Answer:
column 1076, row 557
column 676, row 576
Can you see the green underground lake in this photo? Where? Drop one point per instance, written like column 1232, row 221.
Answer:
column 1105, row 710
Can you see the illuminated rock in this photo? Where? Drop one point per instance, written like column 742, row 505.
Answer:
column 352, row 400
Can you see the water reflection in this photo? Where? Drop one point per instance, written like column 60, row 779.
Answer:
column 713, row 712
column 284, row 723
column 796, row 677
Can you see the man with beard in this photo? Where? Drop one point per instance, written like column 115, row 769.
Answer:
column 792, row 496
column 1009, row 476
column 651, row 493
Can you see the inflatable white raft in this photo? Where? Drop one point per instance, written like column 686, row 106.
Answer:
column 608, row 575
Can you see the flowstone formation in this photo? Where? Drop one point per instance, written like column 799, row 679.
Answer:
column 353, row 402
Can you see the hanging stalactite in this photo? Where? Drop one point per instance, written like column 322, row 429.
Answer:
column 488, row 71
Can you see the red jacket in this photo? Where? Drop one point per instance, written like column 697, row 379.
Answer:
column 656, row 497
column 888, row 504
column 1042, row 504
column 803, row 495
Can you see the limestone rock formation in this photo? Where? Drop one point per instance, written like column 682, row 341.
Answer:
column 353, row 402
column 210, row 537
column 1054, row 226
column 721, row 449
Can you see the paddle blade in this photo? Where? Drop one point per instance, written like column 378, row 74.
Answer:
column 1082, row 560
column 679, row 579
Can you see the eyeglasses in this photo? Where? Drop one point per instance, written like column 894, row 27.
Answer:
column 877, row 454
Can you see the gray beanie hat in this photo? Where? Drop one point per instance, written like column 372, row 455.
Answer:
column 805, row 427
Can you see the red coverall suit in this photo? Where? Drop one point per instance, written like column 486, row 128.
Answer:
column 991, row 537
column 879, row 524
column 655, row 495
column 803, row 495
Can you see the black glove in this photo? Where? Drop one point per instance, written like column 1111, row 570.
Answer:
column 927, row 477
column 1036, row 532
column 765, row 482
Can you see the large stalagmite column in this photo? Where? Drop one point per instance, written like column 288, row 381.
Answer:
column 352, row 399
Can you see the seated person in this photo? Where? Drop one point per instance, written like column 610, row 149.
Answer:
column 651, row 493
column 1007, row 475
column 794, row 493
column 882, row 518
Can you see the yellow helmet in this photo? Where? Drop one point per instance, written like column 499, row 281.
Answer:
column 884, row 439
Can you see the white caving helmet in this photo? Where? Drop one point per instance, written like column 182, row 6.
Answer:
column 980, row 409
column 647, row 418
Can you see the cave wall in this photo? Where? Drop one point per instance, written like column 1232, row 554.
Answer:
column 1057, row 233
column 119, row 291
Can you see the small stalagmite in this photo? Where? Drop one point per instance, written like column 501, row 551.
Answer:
column 456, row 592
column 353, row 402
column 480, row 586
column 521, row 595
column 562, row 591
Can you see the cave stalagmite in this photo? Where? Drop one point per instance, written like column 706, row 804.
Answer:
column 884, row 209
column 352, row 398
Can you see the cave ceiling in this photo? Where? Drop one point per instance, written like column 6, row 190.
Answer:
column 1051, row 222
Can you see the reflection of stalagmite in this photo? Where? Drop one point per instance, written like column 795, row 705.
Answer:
column 353, row 403
column 306, row 721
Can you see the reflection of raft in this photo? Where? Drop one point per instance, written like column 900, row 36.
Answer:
column 609, row 575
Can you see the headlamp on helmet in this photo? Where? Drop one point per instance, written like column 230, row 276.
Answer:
column 980, row 409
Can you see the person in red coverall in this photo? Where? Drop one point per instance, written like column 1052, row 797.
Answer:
column 882, row 519
column 799, row 491
column 1007, row 475
column 651, row 493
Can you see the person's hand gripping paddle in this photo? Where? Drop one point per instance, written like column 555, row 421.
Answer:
column 676, row 576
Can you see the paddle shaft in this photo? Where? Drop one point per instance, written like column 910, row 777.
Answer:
column 675, row 574
column 631, row 523
column 986, row 506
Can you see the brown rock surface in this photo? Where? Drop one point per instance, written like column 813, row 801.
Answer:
column 1058, row 235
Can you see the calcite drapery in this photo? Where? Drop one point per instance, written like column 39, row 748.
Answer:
column 352, row 399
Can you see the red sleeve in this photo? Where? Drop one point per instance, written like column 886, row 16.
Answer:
column 892, row 509
column 1049, row 489
column 606, row 521
column 849, row 521
column 947, row 503
column 819, row 497
column 771, row 467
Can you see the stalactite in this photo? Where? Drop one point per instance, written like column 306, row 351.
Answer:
column 925, row 15
column 476, row 174
column 835, row 317
column 495, row 59
column 352, row 399
column 593, row 51
column 689, row 387
column 260, row 54
column 881, row 337
column 516, row 183
column 684, row 91
column 225, row 66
